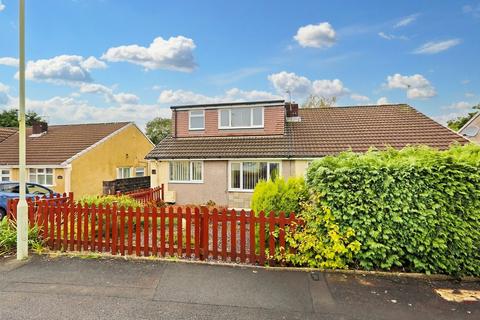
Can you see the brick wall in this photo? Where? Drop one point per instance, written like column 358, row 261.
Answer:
column 274, row 123
column 126, row 185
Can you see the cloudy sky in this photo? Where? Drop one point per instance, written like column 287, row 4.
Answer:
column 117, row 60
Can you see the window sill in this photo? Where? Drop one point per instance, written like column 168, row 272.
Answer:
column 186, row 182
column 240, row 128
column 240, row 190
column 200, row 129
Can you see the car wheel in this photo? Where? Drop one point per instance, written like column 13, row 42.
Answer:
column 3, row 213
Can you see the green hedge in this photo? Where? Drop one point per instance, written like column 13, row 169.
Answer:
column 416, row 209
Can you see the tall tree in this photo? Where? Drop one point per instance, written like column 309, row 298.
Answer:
column 459, row 122
column 158, row 128
column 315, row 101
column 9, row 118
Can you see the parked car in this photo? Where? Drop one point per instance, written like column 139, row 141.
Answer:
column 10, row 190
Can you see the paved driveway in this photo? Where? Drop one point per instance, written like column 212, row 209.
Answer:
column 73, row 288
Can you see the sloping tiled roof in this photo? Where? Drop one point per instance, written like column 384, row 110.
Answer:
column 321, row 131
column 6, row 132
column 59, row 144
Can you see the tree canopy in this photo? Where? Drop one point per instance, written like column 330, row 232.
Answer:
column 9, row 118
column 314, row 101
column 459, row 122
column 158, row 128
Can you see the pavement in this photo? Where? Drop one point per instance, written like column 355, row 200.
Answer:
column 73, row 288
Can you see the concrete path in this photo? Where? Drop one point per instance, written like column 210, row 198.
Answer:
column 73, row 288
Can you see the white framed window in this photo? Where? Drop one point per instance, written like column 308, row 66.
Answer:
column 241, row 118
column 42, row 176
column 4, row 174
column 186, row 171
column 139, row 172
column 244, row 175
column 123, row 173
column 196, row 119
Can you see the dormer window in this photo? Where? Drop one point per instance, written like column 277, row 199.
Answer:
column 196, row 120
column 240, row 118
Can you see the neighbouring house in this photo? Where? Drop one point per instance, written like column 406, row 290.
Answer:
column 77, row 157
column 219, row 152
column 471, row 129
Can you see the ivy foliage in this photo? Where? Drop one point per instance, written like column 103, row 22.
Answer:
column 416, row 209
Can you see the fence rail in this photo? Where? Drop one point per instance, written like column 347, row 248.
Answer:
column 193, row 233
column 151, row 195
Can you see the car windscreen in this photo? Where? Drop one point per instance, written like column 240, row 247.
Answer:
column 9, row 188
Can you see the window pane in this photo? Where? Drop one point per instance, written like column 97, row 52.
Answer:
column 31, row 170
column 32, row 178
column 196, row 171
column 40, row 170
column 196, row 120
column 235, row 174
column 49, row 170
column 257, row 116
column 251, row 175
column 274, row 170
column 41, row 179
column 225, row 118
column 241, row 117
column 5, row 171
column 49, row 180
column 179, row 171
column 5, row 179
column 263, row 174
column 139, row 172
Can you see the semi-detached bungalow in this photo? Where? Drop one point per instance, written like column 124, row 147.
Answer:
column 219, row 152
column 77, row 157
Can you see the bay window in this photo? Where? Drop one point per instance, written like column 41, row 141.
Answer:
column 245, row 175
column 41, row 176
column 186, row 171
column 240, row 118
column 196, row 120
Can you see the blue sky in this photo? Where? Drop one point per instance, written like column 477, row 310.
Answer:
column 106, row 60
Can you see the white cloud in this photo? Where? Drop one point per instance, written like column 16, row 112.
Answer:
column 389, row 36
column 63, row 69
column 300, row 86
column 176, row 53
column 60, row 110
column 461, row 105
column 320, row 35
column 444, row 118
column 328, row 88
column 416, row 86
column 9, row 61
column 289, row 81
column 473, row 10
column 359, row 97
column 177, row 97
column 470, row 95
column 433, row 47
column 108, row 93
column 406, row 21
column 382, row 100
column 3, row 94
column 4, row 88
column 2, row 6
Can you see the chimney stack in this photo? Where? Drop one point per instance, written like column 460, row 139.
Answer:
column 291, row 109
column 39, row 127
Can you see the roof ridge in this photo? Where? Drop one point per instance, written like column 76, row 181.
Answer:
column 89, row 124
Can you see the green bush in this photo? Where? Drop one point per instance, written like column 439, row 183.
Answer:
column 279, row 195
column 120, row 201
column 318, row 242
column 415, row 209
column 8, row 237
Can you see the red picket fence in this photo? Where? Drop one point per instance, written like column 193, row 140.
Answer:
column 191, row 233
column 151, row 195
column 65, row 199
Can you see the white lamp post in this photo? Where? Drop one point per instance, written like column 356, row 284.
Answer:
column 22, row 216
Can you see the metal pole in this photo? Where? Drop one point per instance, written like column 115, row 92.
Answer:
column 22, row 217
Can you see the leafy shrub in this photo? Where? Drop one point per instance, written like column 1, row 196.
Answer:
column 8, row 237
column 416, row 209
column 120, row 201
column 279, row 195
column 319, row 243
